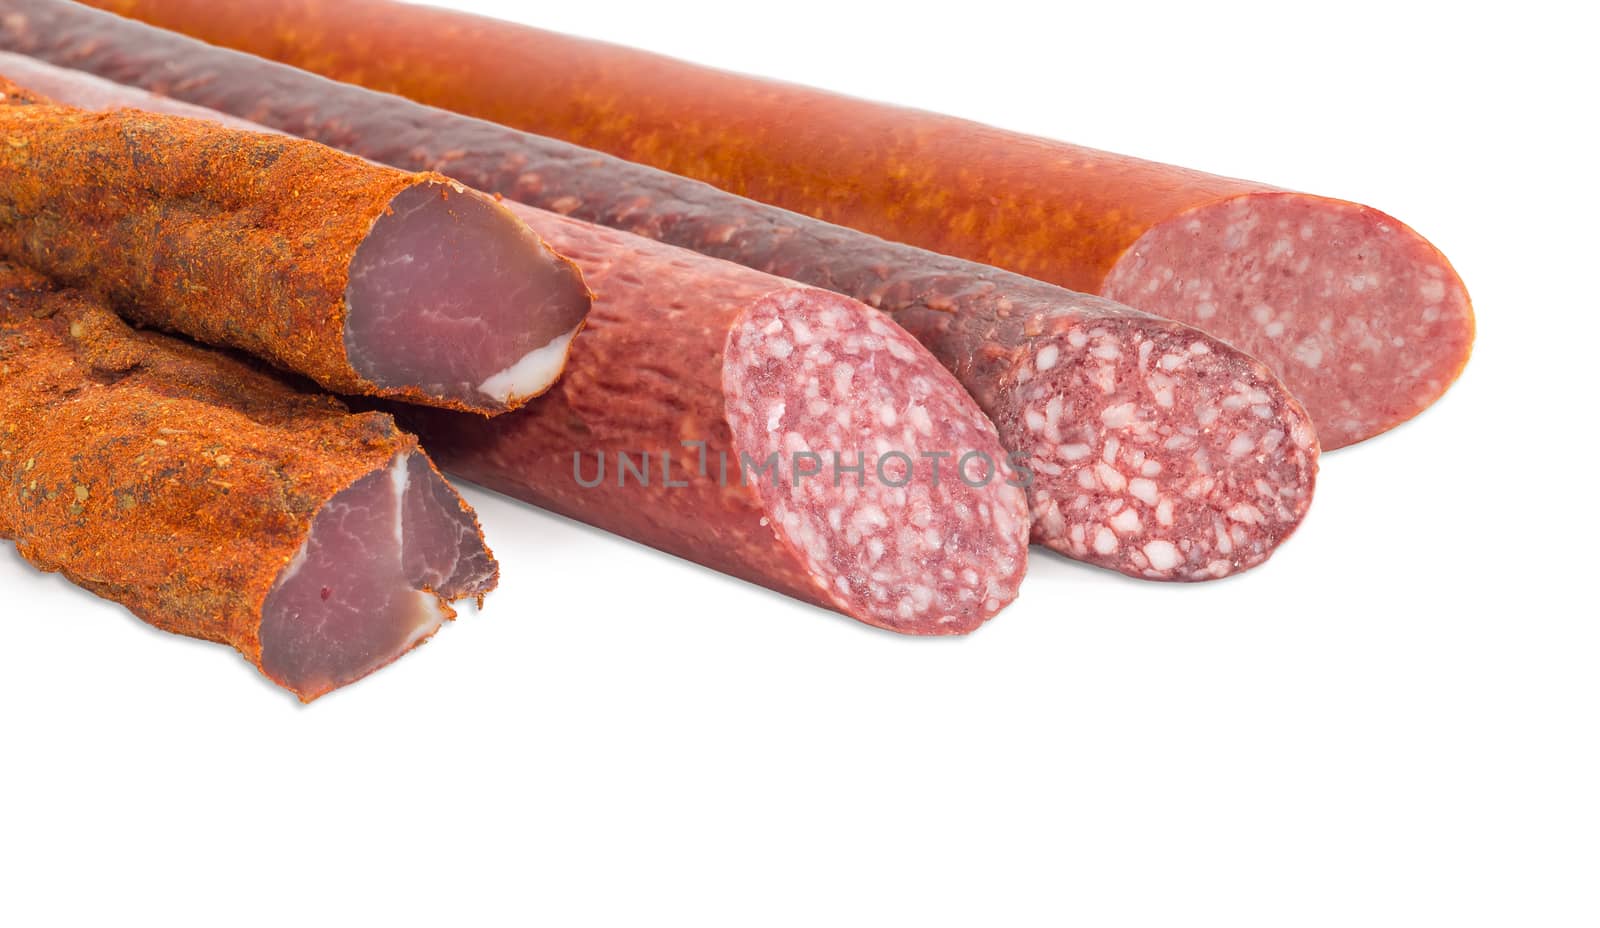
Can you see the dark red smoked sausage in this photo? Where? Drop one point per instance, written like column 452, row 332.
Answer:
column 783, row 434
column 694, row 373
column 1363, row 319
column 1157, row 450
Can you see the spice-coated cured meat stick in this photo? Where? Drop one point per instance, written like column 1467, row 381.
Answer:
column 779, row 433
column 215, row 501
column 1362, row 318
column 1157, row 450
column 366, row 279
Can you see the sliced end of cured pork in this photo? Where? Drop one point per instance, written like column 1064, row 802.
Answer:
column 1264, row 269
column 383, row 560
column 929, row 534
column 1156, row 451
column 216, row 500
column 450, row 296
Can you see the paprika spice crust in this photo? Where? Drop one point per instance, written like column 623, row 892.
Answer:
column 184, row 484
column 366, row 279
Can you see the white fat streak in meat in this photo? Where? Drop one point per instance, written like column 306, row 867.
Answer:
column 400, row 481
column 295, row 563
column 531, row 375
column 428, row 613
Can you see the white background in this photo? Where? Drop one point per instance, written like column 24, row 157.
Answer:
column 1393, row 722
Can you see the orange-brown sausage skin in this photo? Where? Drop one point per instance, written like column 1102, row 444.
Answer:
column 1365, row 346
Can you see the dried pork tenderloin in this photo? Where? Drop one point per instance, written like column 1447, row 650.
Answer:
column 366, row 279
column 215, row 501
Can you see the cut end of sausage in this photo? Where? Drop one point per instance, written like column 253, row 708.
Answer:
column 453, row 302
column 893, row 544
column 1361, row 317
column 373, row 580
column 1157, row 451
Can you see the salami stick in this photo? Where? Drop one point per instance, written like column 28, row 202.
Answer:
column 782, row 434
column 1157, row 450
column 364, row 278
column 214, row 501
column 1363, row 319
column 785, row 435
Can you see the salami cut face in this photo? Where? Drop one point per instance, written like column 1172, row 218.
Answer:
column 215, row 501
column 992, row 329
column 834, row 396
column 1366, row 330
column 363, row 278
column 1124, row 483
column 1266, row 268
